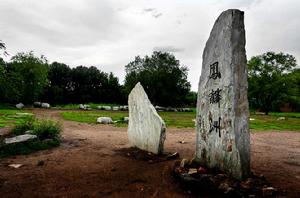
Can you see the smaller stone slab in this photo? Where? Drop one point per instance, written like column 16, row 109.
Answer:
column 45, row 105
column 20, row 106
column 104, row 120
column 146, row 129
column 19, row 138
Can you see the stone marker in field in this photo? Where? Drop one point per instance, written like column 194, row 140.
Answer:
column 19, row 138
column 146, row 129
column 19, row 106
column 105, row 120
column 222, row 130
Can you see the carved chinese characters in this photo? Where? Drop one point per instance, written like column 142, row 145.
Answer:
column 222, row 108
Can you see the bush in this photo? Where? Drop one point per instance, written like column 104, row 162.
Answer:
column 46, row 129
column 22, row 128
column 28, row 147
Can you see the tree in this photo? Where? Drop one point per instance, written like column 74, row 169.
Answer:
column 162, row 77
column 268, row 84
column 27, row 75
column 3, row 48
column 59, row 88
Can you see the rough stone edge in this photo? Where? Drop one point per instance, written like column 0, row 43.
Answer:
column 156, row 115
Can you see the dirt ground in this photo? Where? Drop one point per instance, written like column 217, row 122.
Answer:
column 87, row 164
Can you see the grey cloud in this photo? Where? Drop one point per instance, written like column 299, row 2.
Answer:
column 154, row 12
column 168, row 49
column 149, row 9
column 157, row 15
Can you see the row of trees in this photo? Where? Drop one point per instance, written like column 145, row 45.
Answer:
column 27, row 78
column 274, row 81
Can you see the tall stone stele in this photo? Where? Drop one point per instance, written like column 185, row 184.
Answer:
column 222, row 131
column 146, row 129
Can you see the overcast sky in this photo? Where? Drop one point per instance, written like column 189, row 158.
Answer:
column 110, row 33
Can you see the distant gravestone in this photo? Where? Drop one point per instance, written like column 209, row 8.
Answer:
column 146, row 129
column 223, row 139
column 19, row 106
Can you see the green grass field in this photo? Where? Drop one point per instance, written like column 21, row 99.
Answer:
column 185, row 119
column 10, row 117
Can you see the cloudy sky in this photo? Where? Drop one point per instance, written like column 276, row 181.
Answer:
column 110, row 33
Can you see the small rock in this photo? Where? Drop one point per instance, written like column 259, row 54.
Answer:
column 183, row 163
column 45, row 105
column 172, row 156
column 223, row 187
column 150, row 161
column 192, row 171
column 126, row 119
column 113, row 169
column 15, row 165
column 29, row 132
column 116, row 108
column 19, row 138
column 269, row 191
column 104, row 120
column 41, row 163
column 37, row 104
column 201, row 170
column 19, row 106
column 281, row 118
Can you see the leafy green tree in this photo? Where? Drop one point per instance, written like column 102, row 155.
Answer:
column 162, row 77
column 28, row 76
column 59, row 87
column 268, row 83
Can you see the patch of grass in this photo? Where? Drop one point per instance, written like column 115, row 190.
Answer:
column 287, row 115
column 10, row 117
column 271, row 122
column 173, row 119
column 91, row 116
column 178, row 119
column 92, row 105
column 185, row 119
column 28, row 147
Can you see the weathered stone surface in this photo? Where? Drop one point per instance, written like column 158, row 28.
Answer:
column 104, row 120
column 19, row 138
column 222, row 130
column 146, row 129
column 19, row 106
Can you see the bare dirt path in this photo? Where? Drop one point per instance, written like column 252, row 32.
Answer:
column 87, row 164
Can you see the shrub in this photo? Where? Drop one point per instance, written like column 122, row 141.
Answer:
column 46, row 129
column 22, row 128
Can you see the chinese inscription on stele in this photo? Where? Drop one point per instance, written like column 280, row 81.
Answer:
column 222, row 130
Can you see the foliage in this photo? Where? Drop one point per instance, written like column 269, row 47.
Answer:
column 269, row 81
column 28, row 147
column 46, row 129
column 20, row 129
column 24, row 78
column 9, row 117
column 43, row 129
column 81, row 85
column 162, row 77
